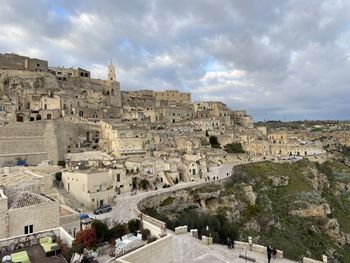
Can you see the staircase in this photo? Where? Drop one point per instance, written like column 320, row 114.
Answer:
column 68, row 200
column 168, row 178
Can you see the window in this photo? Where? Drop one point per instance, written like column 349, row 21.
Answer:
column 28, row 229
column 118, row 177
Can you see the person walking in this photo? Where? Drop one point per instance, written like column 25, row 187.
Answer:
column 274, row 253
column 232, row 244
column 228, row 242
column 269, row 252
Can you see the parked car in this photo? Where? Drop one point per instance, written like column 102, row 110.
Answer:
column 103, row 209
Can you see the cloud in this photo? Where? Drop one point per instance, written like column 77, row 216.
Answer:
column 277, row 59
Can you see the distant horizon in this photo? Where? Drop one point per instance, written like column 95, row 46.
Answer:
column 313, row 120
column 267, row 58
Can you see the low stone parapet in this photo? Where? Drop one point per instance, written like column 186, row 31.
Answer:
column 309, row 260
column 207, row 240
column 255, row 248
column 194, row 233
column 181, row 230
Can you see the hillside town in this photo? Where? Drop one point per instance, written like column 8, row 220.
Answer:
column 71, row 145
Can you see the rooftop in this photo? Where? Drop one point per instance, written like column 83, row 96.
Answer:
column 25, row 198
column 37, row 254
column 86, row 156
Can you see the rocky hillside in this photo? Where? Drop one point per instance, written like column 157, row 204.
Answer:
column 302, row 208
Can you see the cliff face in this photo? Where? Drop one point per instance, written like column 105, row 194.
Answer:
column 302, row 208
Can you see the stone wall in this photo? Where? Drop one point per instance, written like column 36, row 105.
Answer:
column 44, row 140
column 160, row 250
column 41, row 216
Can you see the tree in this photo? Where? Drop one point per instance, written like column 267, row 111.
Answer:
column 118, row 230
column 134, row 225
column 214, row 142
column 86, row 238
column 101, row 230
column 234, row 148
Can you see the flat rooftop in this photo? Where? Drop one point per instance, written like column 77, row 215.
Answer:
column 192, row 250
column 86, row 156
column 37, row 254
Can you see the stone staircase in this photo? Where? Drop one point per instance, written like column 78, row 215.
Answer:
column 68, row 200
column 168, row 178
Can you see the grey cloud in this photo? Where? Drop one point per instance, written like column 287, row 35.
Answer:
column 295, row 54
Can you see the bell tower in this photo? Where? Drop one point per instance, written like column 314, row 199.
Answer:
column 111, row 72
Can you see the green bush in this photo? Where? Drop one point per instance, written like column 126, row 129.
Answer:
column 168, row 201
column 116, row 231
column 134, row 225
column 145, row 234
column 234, row 148
column 101, row 230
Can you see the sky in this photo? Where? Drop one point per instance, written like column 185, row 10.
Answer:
column 279, row 60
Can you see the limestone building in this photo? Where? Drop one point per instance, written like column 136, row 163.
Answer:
column 94, row 187
column 26, row 213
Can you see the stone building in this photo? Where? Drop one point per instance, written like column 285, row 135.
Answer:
column 16, row 62
column 173, row 96
column 123, row 140
column 26, row 212
column 94, row 187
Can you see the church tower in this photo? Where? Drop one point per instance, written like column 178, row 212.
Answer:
column 111, row 72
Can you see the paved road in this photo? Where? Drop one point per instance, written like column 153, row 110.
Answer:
column 124, row 210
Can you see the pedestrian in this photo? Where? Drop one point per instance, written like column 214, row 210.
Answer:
column 274, row 253
column 269, row 252
column 232, row 244
column 228, row 242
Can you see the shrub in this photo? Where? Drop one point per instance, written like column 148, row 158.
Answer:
column 234, row 148
column 118, row 230
column 86, row 238
column 101, row 230
column 168, row 201
column 145, row 234
column 151, row 239
column 134, row 225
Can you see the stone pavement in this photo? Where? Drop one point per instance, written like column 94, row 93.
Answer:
column 191, row 250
